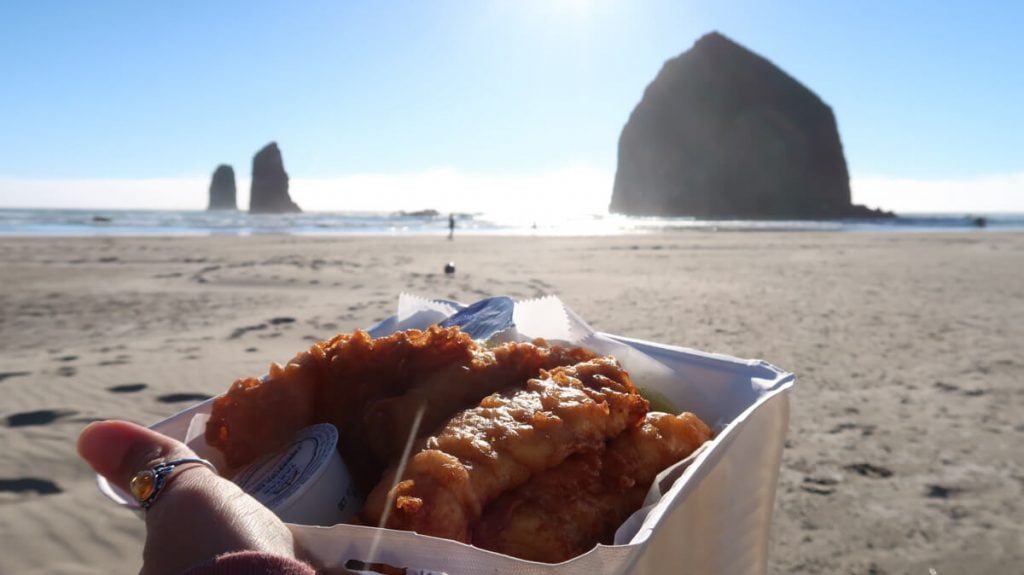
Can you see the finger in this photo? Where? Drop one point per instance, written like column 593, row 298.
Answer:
column 118, row 450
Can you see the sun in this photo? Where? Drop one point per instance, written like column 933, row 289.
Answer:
column 573, row 8
column 563, row 9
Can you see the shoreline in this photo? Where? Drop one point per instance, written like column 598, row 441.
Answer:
column 156, row 223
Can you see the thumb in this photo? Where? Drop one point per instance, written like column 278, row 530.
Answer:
column 199, row 515
column 118, row 450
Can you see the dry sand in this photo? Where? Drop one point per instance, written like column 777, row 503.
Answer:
column 904, row 450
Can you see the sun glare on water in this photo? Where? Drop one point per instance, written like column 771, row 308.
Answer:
column 580, row 190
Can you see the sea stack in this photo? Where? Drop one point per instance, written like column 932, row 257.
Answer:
column 269, row 192
column 721, row 133
column 222, row 189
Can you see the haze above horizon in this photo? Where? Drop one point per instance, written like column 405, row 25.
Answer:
column 432, row 105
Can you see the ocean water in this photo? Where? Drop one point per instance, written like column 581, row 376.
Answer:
column 82, row 222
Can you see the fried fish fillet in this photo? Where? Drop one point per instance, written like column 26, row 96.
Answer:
column 331, row 382
column 371, row 390
column 565, row 511
column 483, row 451
column 389, row 421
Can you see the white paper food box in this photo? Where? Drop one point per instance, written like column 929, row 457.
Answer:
column 708, row 514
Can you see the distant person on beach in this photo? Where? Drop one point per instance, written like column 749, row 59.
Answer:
column 197, row 522
column 451, row 226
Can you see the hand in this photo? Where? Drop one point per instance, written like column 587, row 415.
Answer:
column 198, row 514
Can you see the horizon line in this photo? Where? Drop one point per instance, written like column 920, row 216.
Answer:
column 576, row 189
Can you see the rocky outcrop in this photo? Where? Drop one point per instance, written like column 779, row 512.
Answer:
column 722, row 132
column 222, row 189
column 269, row 192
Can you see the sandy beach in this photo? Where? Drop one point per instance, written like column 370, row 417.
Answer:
column 904, row 444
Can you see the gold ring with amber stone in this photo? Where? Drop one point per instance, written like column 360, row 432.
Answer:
column 146, row 485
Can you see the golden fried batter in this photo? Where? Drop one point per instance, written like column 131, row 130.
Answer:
column 565, row 511
column 531, row 450
column 331, row 382
column 388, row 421
column 498, row 445
column 371, row 389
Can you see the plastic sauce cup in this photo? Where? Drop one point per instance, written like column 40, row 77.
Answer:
column 306, row 482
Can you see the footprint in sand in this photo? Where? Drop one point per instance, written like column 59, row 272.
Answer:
column 820, row 485
column 942, row 492
column 869, row 470
column 127, row 388
column 240, row 331
column 180, row 397
column 41, row 417
column 67, row 371
column 26, row 484
column 865, row 429
column 6, row 374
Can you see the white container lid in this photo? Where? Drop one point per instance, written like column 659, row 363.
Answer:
column 306, row 481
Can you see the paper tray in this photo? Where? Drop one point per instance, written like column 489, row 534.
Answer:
column 712, row 516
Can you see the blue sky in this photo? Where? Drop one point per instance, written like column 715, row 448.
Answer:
column 148, row 98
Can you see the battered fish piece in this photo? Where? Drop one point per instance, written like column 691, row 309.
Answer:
column 330, row 383
column 388, row 422
column 371, row 389
column 484, row 451
column 567, row 510
column 257, row 416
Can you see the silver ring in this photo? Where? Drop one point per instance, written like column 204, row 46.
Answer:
column 147, row 484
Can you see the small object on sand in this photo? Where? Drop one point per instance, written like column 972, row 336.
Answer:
column 449, row 268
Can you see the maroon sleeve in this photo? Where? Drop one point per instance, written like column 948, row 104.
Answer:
column 251, row 563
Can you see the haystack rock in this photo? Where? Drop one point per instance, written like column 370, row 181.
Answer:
column 270, row 183
column 721, row 132
column 222, row 189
